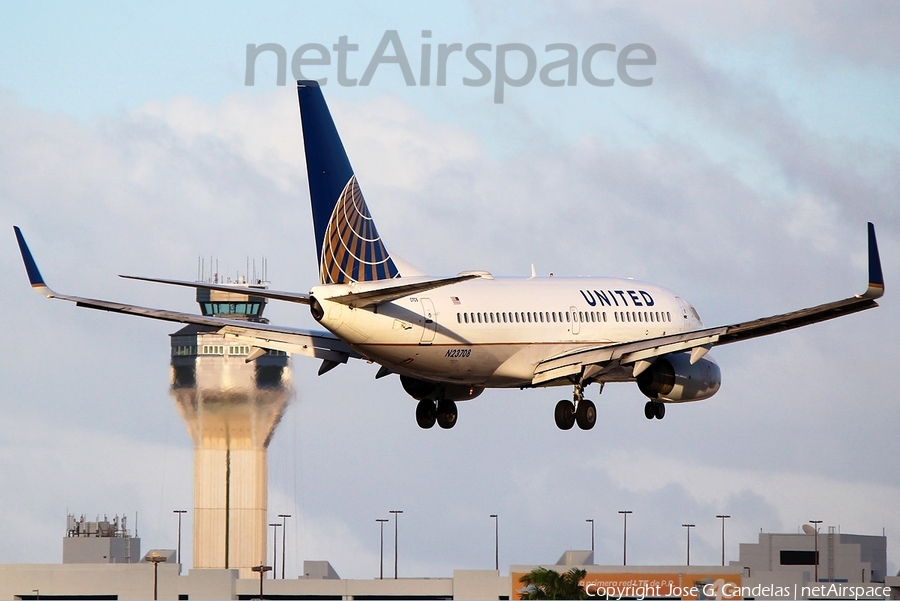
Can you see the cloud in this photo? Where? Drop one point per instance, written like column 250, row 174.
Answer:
column 728, row 197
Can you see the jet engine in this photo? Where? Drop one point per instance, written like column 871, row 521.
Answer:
column 436, row 391
column 672, row 378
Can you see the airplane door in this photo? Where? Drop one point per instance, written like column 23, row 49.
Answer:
column 430, row 325
column 576, row 325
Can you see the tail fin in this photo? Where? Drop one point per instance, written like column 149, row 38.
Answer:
column 349, row 247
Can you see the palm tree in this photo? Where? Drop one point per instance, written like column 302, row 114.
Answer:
column 541, row 583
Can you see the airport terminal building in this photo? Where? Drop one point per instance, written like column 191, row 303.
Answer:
column 101, row 561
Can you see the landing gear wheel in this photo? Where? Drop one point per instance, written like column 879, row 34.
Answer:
column 654, row 409
column 586, row 414
column 446, row 414
column 565, row 415
column 426, row 414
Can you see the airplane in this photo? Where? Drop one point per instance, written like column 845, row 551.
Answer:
column 450, row 338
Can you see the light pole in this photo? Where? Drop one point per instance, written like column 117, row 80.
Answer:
column 592, row 535
column 180, row 512
column 815, row 524
column 284, row 517
column 688, row 526
column 723, row 517
column 262, row 570
column 625, row 536
column 275, row 528
column 396, row 512
column 155, row 558
column 496, row 541
column 381, row 522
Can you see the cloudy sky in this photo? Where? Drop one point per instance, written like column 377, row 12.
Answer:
column 742, row 178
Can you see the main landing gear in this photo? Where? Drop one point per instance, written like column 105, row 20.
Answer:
column 579, row 411
column 654, row 409
column 443, row 412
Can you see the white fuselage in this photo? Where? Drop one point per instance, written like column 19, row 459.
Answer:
column 493, row 332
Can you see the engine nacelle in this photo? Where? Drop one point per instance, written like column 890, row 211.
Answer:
column 672, row 378
column 435, row 391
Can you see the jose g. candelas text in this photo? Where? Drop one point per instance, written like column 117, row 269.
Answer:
column 560, row 64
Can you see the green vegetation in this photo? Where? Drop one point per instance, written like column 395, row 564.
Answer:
column 542, row 583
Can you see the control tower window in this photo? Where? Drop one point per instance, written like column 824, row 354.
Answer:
column 231, row 308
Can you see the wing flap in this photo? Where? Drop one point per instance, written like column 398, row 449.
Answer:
column 309, row 343
column 574, row 362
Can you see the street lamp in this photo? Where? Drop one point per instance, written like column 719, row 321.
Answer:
column 592, row 535
column 396, row 512
column 723, row 518
column 262, row 570
column 155, row 558
column 624, row 536
column 275, row 528
column 381, row 522
column 688, row 526
column 496, row 541
column 179, row 512
column 284, row 517
column 815, row 524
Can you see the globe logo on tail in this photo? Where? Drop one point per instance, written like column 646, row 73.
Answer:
column 352, row 250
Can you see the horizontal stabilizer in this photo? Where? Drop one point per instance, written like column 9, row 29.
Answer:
column 370, row 298
column 293, row 297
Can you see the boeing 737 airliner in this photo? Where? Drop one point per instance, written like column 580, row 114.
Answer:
column 449, row 338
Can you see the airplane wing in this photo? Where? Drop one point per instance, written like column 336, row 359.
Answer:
column 591, row 362
column 311, row 343
column 293, row 297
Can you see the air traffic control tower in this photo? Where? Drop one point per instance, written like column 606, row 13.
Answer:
column 231, row 400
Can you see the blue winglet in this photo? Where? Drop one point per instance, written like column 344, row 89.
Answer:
column 876, row 278
column 34, row 274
